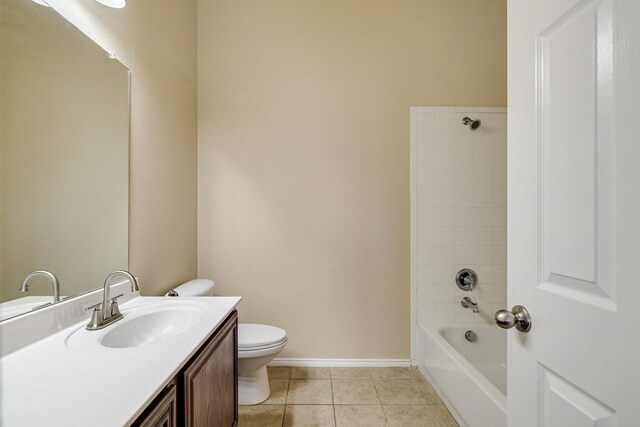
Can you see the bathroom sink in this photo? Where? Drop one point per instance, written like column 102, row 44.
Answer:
column 141, row 326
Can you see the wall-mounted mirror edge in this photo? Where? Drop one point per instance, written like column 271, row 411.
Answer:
column 74, row 219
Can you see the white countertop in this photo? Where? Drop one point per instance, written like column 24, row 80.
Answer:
column 48, row 383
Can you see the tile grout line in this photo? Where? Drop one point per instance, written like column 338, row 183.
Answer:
column 333, row 401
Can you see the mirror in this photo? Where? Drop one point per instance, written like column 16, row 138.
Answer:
column 64, row 158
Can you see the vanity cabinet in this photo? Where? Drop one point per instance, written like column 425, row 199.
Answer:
column 205, row 392
column 210, row 380
column 163, row 412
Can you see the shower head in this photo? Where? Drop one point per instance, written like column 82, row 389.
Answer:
column 473, row 124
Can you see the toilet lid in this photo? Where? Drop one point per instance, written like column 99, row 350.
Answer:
column 252, row 336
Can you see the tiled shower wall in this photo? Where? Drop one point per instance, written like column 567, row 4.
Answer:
column 458, row 213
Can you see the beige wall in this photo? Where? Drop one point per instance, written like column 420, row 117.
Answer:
column 156, row 40
column 303, row 155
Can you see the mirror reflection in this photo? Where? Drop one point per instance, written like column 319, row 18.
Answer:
column 64, row 159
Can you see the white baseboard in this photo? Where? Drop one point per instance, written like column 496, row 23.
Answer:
column 348, row 363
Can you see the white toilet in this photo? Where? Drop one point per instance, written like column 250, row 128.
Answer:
column 257, row 346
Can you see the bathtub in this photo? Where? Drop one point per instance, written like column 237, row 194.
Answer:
column 470, row 377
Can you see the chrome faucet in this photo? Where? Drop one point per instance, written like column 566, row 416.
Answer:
column 49, row 275
column 467, row 303
column 109, row 313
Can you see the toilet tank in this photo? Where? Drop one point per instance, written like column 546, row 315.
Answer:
column 195, row 288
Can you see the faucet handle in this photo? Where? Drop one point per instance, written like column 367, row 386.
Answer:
column 115, row 299
column 114, row 305
column 95, row 316
column 95, row 307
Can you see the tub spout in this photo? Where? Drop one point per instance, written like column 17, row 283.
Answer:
column 467, row 303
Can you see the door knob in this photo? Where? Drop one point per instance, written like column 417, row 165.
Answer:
column 518, row 317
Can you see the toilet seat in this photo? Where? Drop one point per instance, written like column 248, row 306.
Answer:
column 254, row 337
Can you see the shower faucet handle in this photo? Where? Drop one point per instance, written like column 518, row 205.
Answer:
column 518, row 317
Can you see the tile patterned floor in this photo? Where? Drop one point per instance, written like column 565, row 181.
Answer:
column 347, row 397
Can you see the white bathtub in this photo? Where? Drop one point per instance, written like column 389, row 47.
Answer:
column 470, row 377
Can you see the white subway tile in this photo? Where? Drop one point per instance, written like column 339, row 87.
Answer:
column 462, row 236
column 482, row 254
column 501, row 141
column 492, row 121
column 500, row 179
column 482, row 160
column 445, row 122
column 427, row 293
column 499, row 236
column 464, row 160
column 426, row 179
column 485, row 274
column 464, row 198
column 499, row 217
column 445, row 254
column 426, row 217
column 491, row 293
column 444, row 312
column 426, row 235
column 445, row 292
column 427, row 313
column 500, row 198
column 444, row 140
column 483, row 179
column 464, row 179
column 426, row 198
column 483, row 197
column 426, row 254
column 425, row 140
column 426, row 160
column 444, row 235
column 425, row 121
column 483, row 217
column 444, row 160
column 444, row 198
column 445, row 179
column 463, row 140
column 445, row 274
column 463, row 255
column 426, row 274
column 463, row 217
column 499, row 160
column 482, row 236
column 499, row 255
column 445, row 217
column 486, row 139
column 500, row 274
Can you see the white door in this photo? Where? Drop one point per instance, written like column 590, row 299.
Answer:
column 574, row 212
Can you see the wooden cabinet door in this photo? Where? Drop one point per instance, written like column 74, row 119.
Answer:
column 162, row 412
column 210, row 380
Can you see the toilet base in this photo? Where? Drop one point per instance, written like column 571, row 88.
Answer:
column 253, row 386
